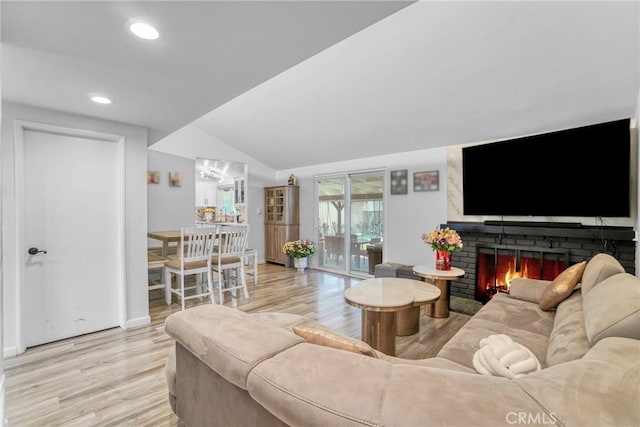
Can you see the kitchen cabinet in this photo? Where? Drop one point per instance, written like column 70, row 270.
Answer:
column 206, row 193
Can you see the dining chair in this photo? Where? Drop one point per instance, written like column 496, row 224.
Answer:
column 193, row 258
column 252, row 254
column 156, row 262
column 228, row 260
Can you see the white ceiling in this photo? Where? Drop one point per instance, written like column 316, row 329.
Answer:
column 271, row 77
column 55, row 53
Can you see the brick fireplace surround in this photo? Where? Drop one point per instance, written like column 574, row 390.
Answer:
column 582, row 242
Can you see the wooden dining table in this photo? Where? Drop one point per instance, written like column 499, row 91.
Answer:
column 166, row 237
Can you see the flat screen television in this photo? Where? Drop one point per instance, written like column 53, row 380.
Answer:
column 580, row 172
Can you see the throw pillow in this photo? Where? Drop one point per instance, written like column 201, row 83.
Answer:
column 500, row 356
column 561, row 287
column 317, row 334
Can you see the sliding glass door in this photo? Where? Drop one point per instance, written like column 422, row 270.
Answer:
column 366, row 220
column 350, row 221
column 331, row 203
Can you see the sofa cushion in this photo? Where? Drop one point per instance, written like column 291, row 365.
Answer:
column 317, row 334
column 430, row 362
column 526, row 289
column 568, row 340
column 280, row 320
column 600, row 389
column 309, row 385
column 523, row 321
column 612, row 309
column 561, row 287
column 598, row 268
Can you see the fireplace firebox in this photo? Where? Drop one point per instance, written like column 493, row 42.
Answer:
column 498, row 265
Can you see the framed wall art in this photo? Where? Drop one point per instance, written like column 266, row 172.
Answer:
column 399, row 181
column 426, row 181
column 175, row 179
column 153, row 177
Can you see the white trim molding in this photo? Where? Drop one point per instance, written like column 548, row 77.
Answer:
column 8, row 352
column 140, row 321
column 2, row 419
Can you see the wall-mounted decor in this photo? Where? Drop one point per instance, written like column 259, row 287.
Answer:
column 153, row 177
column 399, row 181
column 426, row 181
column 175, row 179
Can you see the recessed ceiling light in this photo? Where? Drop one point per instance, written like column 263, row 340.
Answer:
column 101, row 99
column 144, row 31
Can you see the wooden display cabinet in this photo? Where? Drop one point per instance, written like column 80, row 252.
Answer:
column 281, row 221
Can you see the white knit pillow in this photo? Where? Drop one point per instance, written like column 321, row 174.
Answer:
column 499, row 355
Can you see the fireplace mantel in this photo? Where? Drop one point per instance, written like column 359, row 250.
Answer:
column 574, row 230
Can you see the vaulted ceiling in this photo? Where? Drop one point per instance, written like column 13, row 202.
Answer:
column 340, row 79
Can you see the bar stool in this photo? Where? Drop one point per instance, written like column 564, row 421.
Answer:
column 253, row 254
column 155, row 262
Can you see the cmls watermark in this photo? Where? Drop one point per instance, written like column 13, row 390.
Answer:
column 531, row 418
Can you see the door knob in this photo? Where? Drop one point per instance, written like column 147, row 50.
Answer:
column 35, row 251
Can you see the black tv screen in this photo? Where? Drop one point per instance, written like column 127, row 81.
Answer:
column 581, row 172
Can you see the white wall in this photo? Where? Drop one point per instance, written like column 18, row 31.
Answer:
column 170, row 208
column 1, row 275
column 406, row 216
column 191, row 142
column 637, row 226
column 137, row 309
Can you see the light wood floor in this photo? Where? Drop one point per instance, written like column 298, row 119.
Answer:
column 116, row 377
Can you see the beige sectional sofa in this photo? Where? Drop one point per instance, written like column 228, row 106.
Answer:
column 232, row 368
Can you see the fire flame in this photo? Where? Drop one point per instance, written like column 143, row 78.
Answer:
column 511, row 273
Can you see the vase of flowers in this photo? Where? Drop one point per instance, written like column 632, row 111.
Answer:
column 444, row 241
column 300, row 250
column 300, row 263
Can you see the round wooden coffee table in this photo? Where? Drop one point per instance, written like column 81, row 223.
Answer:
column 441, row 279
column 381, row 299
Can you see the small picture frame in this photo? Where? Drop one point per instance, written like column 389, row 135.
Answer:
column 399, row 181
column 175, row 179
column 426, row 181
column 153, row 177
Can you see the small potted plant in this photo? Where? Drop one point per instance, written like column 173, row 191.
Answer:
column 444, row 241
column 300, row 250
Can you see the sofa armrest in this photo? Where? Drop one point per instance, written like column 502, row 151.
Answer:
column 527, row 289
column 229, row 341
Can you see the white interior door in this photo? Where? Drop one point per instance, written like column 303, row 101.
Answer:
column 72, row 211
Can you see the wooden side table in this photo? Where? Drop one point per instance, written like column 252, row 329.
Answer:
column 440, row 279
column 381, row 300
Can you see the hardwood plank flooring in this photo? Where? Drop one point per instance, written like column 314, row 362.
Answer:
column 116, row 377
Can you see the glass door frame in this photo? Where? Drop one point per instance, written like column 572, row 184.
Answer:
column 346, row 176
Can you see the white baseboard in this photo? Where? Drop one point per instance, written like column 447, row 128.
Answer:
column 10, row 352
column 140, row 321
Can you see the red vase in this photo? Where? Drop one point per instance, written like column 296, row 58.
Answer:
column 443, row 260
